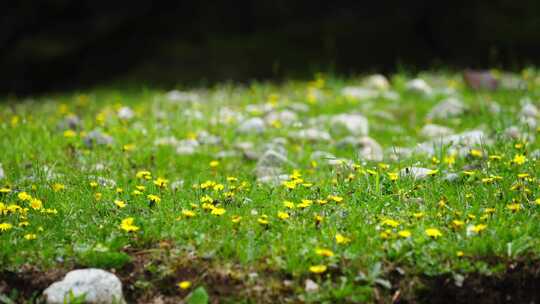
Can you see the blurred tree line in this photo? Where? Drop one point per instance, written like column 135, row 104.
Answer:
column 62, row 44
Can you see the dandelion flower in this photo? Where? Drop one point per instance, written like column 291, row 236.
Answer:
column 341, row 239
column 5, row 227
column 318, row 269
column 433, row 232
column 184, row 284
column 324, row 252
column 127, row 225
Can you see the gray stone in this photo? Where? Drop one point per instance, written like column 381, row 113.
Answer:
column 399, row 153
column 97, row 286
column 450, row 107
column 2, row 173
column 166, row 141
column 418, row 86
column 97, row 137
column 322, row 155
column 187, row 147
column 466, row 139
column 434, row 131
column 285, row 117
column 311, row 286
column 359, row 93
column 417, row 173
column 205, row 138
column 311, row 134
column 355, row 123
column 451, row 177
column 177, row 184
column 529, row 110
column 369, row 149
column 376, row 82
column 178, row 96
column 71, row 122
column 125, row 113
column 272, row 158
column 253, row 125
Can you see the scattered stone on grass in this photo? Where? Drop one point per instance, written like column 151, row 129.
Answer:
column 253, row 125
column 355, row 123
column 448, row 108
column 96, row 286
column 434, row 131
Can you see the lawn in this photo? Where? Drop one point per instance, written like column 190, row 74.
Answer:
column 267, row 193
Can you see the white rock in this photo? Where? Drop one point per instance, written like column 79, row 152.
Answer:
column 311, row 134
column 285, row 117
column 322, row 155
column 399, row 153
column 355, row 123
column 272, row 158
column 2, row 174
column 205, row 138
column 450, row 107
column 125, row 113
column 98, row 286
column 433, row 131
column 311, row 286
column 369, row 149
column 177, row 96
column 418, row 86
column 529, row 110
column 177, row 184
column 377, row 82
column 187, row 147
column 417, row 173
column 253, row 125
column 359, row 93
column 97, row 137
column 466, row 139
column 166, row 141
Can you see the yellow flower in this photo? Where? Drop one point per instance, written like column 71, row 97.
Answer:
column 119, row 203
column 283, row 215
column 127, row 225
column 433, row 232
column 390, row 222
column 341, row 239
column 288, row 204
column 188, row 213
column 513, row 207
column 30, row 236
column 93, row 184
column 478, row 228
column 263, row 220
column 476, row 153
column 161, row 182
column 214, row 164
column 457, row 224
column 519, row 159
column 460, row 253
column 5, row 190
column 318, row 269
column 305, row 203
column 335, row 198
column 404, row 233
column 70, row 133
column 5, row 227
column 184, row 284
column 218, row 211
column 324, row 252
column 23, row 196
column 393, row 176
column 450, row 160
column 36, row 204
column 537, row 201
column 58, row 187
column 153, row 198
column 236, row 219
column 98, row 196
column 144, row 175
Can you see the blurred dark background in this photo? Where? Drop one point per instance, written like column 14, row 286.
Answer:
column 62, row 45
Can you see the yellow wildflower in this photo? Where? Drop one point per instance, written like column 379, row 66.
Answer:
column 127, row 225
column 433, row 232
column 318, row 269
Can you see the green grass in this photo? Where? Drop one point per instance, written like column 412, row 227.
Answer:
column 82, row 227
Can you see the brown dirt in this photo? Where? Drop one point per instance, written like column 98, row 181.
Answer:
column 152, row 275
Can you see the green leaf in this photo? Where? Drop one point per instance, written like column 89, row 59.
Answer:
column 198, row 296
